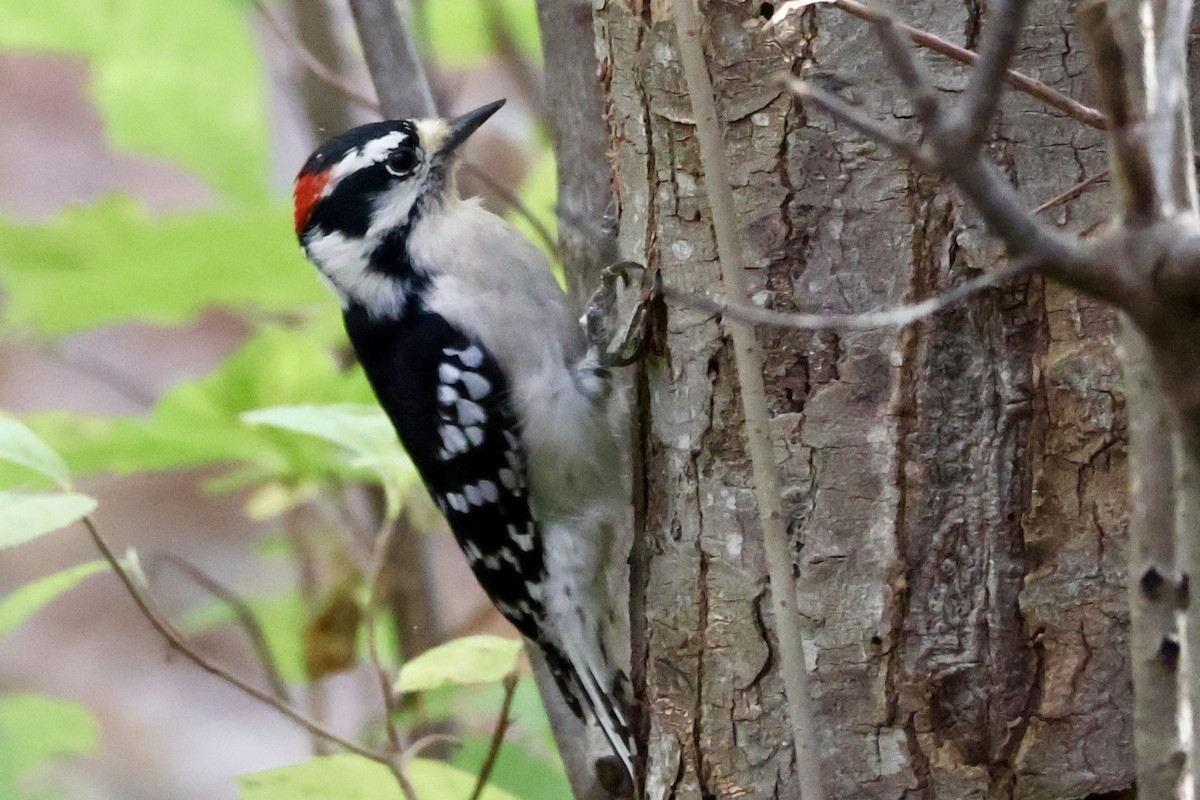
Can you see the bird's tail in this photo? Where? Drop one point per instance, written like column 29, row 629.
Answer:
column 595, row 691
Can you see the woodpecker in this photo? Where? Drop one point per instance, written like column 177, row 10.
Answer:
column 490, row 383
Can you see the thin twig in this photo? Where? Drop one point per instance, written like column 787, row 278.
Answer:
column 309, row 582
column 898, row 317
column 837, row 108
column 909, row 70
column 1062, row 257
column 982, row 96
column 242, row 612
column 176, row 640
column 104, row 373
column 383, row 541
column 749, row 364
column 1131, row 163
column 489, row 762
column 514, row 202
column 1072, row 193
column 425, row 742
column 500, row 26
column 392, row 59
column 1019, row 81
column 310, row 61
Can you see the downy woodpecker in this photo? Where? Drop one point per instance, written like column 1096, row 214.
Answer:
column 474, row 354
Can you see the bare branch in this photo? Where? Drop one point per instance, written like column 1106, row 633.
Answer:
column 489, row 761
column 1127, row 134
column 511, row 199
column 382, row 545
column 840, row 110
column 908, row 69
column 109, row 375
column 749, row 363
column 580, row 132
column 527, row 76
column 1019, row 81
column 243, row 614
column 997, row 202
column 982, row 97
column 898, row 317
column 954, row 148
column 1170, row 130
column 1072, row 193
column 392, row 58
column 178, row 643
column 310, row 61
column 1187, row 524
column 1154, row 579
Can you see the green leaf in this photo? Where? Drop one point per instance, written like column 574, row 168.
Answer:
column 24, row 517
column 467, row 660
column 21, row 604
column 22, row 446
column 352, row 777
column 459, row 30
column 180, row 80
column 35, row 729
column 341, row 777
column 164, row 270
column 439, row 779
column 364, row 430
column 199, row 423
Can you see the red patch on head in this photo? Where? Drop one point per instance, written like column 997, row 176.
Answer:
column 309, row 188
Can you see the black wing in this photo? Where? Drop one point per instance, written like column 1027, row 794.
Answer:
column 449, row 402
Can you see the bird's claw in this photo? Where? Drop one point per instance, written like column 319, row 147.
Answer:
column 642, row 333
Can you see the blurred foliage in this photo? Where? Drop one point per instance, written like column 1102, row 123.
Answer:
column 461, row 661
column 351, row 777
column 461, row 32
column 25, row 601
column 21, row 446
column 199, row 423
column 283, row 418
column 34, row 730
column 180, row 80
column 131, row 267
column 25, row 516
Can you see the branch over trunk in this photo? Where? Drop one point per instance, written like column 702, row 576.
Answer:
column 944, row 488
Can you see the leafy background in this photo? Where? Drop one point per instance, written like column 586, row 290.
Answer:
column 167, row 353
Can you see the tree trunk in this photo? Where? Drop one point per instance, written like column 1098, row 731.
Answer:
column 956, row 491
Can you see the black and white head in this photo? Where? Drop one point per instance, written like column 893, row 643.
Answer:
column 359, row 195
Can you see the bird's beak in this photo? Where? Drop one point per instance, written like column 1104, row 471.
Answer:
column 461, row 128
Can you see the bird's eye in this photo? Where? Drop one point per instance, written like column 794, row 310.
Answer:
column 402, row 161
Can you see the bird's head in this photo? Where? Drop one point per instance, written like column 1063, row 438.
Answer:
column 360, row 192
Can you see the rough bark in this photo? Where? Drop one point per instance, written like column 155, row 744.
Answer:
column 955, row 492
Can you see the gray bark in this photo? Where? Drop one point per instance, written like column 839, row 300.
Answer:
column 956, row 492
